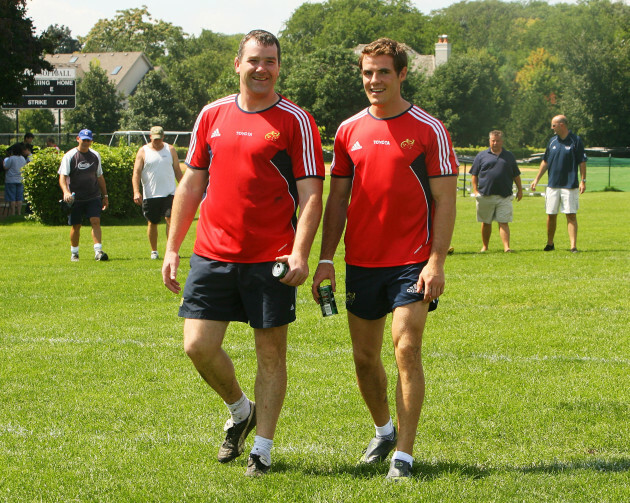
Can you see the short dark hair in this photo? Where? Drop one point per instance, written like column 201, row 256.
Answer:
column 261, row 37
column 29, row 135
column 386, row 47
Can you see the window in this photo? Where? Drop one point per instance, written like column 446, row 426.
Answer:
column 116, row 70
column 73, row 59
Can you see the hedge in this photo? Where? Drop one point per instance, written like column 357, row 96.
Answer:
column 42, row 191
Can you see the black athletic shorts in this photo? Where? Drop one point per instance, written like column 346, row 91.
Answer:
column 372, row 292
column 225, row 291
column 81, row 209
column 155, row 208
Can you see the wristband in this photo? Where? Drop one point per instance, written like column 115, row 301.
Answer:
column 106, row 196
column 584, row 180
column 326, row 262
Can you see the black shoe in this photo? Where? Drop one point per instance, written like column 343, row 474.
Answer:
column 399, row 469
column 234, row 443
column 101, row 255
column 575, row 250
column 549, row 248
column 379, row 448
column 255, row 466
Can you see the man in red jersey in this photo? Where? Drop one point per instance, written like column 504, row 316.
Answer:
column 394, row 176
column 259, row 157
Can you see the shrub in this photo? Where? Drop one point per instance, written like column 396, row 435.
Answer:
column 42, row 191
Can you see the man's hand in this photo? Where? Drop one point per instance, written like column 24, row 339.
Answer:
column 323, row 272
column 169, row 271
column 432, row 281
column 105, row 201
column 137, row 198
column 298, row 270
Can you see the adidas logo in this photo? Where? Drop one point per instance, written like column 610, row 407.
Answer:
column 412, row 289
column 356, row 146
column 215, row 133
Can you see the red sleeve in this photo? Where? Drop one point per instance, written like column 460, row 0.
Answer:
column 440, row 155
column 198, row 152
column 306, row 145
column 342, row 165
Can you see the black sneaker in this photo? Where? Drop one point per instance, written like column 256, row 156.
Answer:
column 234, row 443
column 255, row 466
column 379, row 448
column 549, row 248
column 74, row 257
column 575, row 250
column 399, row 469
column 101, row 255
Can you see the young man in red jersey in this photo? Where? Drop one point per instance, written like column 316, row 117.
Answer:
column 258, row 157
column 393, row 178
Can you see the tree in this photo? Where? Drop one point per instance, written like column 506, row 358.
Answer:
column 58, row 40
column 21, row 57
column 348, row 23
column 129, row 31
column 37, row 121
column 336, row 69
column 98, row 103
column 154, row 103
column 467, row 94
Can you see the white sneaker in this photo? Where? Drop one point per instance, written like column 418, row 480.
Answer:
column 155, row 255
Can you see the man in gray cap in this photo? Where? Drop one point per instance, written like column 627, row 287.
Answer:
column 157, row 167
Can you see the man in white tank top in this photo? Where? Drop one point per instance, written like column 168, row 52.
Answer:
column 157, row 167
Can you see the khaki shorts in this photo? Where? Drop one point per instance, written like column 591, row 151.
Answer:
column 495, row 208
column 561, row 200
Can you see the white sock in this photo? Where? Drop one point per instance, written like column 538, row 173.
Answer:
column 403, row 456
column 239, row 409
column 387, row 430
column 74, row 249
column 262, row 447
column 98, row 247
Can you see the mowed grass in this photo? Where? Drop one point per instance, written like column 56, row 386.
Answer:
column 527, row 362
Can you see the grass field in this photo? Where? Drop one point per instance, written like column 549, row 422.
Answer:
column 527, row 362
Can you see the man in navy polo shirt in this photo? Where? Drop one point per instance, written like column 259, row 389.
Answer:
column 493, row 172
column 564, row 154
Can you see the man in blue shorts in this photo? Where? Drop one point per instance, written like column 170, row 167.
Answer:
column 493, row 173
column 258, row 157
column 394, row 179
column 83, row 185
column 564, row 154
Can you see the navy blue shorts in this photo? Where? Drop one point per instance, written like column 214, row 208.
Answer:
column 81, row 209
column 225, row 291
column 372, row 292
column 155, row 208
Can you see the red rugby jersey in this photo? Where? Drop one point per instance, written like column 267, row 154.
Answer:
column 254, row 160
column 390, row 162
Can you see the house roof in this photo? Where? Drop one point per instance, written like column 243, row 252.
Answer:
column 110, row 62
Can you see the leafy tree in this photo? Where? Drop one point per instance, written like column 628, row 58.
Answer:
column 37, row 121
column 154, row 103
column 129, row 31
column 7, row 124
column 58, row 40
column 98, row 103
column 537, row 93
column 336, row 69
column 467, row 94
column 21, row 55
column 348, row 23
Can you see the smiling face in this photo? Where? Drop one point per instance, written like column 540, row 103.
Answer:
column 258, row 70
column 382, row 85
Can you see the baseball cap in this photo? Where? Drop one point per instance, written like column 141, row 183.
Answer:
column 157, row 132
column 85, row 134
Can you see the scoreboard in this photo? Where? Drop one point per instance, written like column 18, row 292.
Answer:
column 52, row 89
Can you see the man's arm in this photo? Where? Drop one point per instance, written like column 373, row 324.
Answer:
column 519, row 188
column 334, row 223
column 64, row 183
column 474, row 180
column 176, row 169
column 432, row 279
column 541, row 172
column 310, row 201
column 104, row 195
column 136, row 178
column 582, row 177
column 185, row 203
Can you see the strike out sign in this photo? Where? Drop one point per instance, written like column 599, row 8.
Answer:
column 54, row 89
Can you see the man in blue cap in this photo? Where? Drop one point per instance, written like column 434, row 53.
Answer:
column 81, row 180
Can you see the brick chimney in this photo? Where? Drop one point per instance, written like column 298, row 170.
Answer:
column 442, row 50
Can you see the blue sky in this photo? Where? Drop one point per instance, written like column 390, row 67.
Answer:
column 221, row 16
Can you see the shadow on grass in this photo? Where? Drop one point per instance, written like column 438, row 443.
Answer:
column 421, row 471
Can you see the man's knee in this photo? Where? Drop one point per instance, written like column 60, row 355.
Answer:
column 95, row 222
column 199, row 343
